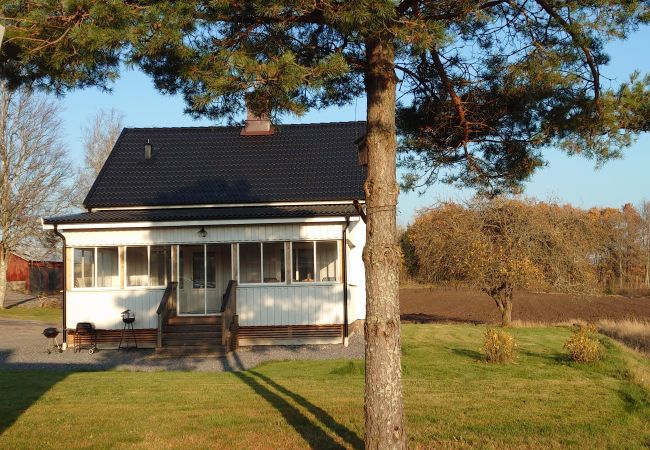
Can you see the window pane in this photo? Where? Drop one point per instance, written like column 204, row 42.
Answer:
column 274, row 262
column 250, row 270
column 136, row 266
column 198, row 270
column 160, row 263
column 219, row 273
column 108, row 272
column 84, row 267
column 303, row 261
column 327, row 266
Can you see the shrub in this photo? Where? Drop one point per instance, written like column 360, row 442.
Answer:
column 583, row 345
column 499, row 346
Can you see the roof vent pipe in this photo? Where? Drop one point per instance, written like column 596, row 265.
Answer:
column 148, row 150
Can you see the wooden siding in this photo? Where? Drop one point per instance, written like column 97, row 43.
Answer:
column 290, row 334
column 290, row 305
column 103, row 307
column 215, row 234
column 147, row 338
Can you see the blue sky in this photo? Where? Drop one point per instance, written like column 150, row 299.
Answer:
column 573, row 180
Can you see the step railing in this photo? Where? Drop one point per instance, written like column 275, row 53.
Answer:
column 229, row 323
column 165, row 307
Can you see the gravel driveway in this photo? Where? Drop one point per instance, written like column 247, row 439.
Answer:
column 22, row 347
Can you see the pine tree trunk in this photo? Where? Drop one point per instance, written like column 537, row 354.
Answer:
column 3, row 279
column 383, row 398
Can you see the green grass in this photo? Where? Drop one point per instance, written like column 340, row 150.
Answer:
column 453, row 400
column 49, row 315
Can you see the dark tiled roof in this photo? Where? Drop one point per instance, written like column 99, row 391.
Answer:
column 215, row 165
column 185, row 214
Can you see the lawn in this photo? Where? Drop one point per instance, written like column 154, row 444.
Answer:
column 49, row 315
column 452, row 400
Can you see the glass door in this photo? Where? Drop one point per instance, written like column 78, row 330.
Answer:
column 203, row 275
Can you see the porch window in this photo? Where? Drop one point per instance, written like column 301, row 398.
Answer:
column 160, row 263
column 148, row 266
column 250, row 263
column 273, row 262
column 108, row 268
column 96, row 267
column 303, row 261
column 84, row 267
column 261, row 262
column 136, row 266
column 327, row 264
column 316, row 261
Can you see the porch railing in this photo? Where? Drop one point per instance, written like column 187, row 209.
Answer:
column 166, row 306
column 229, row 323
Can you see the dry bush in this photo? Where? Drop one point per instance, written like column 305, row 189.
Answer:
column 634, row 333
column 499, row 346
column 583, row 345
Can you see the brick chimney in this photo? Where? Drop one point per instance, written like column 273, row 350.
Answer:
column 257, row 125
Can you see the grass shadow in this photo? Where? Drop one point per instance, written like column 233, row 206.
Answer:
column 314, row 435
column 20, row 390
column 325, row 418
column 552, row 357
column 467, row 353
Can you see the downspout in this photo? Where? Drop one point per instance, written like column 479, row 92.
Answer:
column 345, row 281
column 65, row 278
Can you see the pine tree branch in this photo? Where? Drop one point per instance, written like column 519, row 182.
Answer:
column 579, row 41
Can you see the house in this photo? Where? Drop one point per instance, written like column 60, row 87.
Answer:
column 30, row 274
column 229, row 235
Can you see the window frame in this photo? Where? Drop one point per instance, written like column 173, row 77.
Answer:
column 94, row 277
column 339, row 278
column 262, row 282
column 148, row 286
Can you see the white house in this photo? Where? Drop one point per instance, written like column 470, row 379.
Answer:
column 219, row 236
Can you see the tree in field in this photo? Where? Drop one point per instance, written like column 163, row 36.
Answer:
column 34, row 171
column 501, row 245
column 485, row 86
column 618, row 251
column 644, row 212
column 99, row 137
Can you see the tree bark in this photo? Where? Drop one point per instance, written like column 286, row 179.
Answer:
column 502, row 296
column 3, row 278
column 384, row 426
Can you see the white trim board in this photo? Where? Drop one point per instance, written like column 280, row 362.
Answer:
column 226, row 205
column 194, row 223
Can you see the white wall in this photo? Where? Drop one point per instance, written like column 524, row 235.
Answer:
column 356, row 272
column 290, row 305
column 103, row 307
column 256, row 305
column 190, row 235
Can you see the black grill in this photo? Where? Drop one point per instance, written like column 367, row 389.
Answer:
column 85, row 330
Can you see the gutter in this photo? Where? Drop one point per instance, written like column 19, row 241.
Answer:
column 359, row 208
column 345, row 282
column 65, row 277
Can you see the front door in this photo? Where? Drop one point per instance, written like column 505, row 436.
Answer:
column 204, row 272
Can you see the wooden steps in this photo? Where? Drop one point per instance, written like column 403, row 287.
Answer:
column 192, row 336
column 194, row 320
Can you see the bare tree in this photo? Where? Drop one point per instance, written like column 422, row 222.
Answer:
column 34, row 171
column 644, row 212
column 99, row 137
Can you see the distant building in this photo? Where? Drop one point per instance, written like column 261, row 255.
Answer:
column 33, row 275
